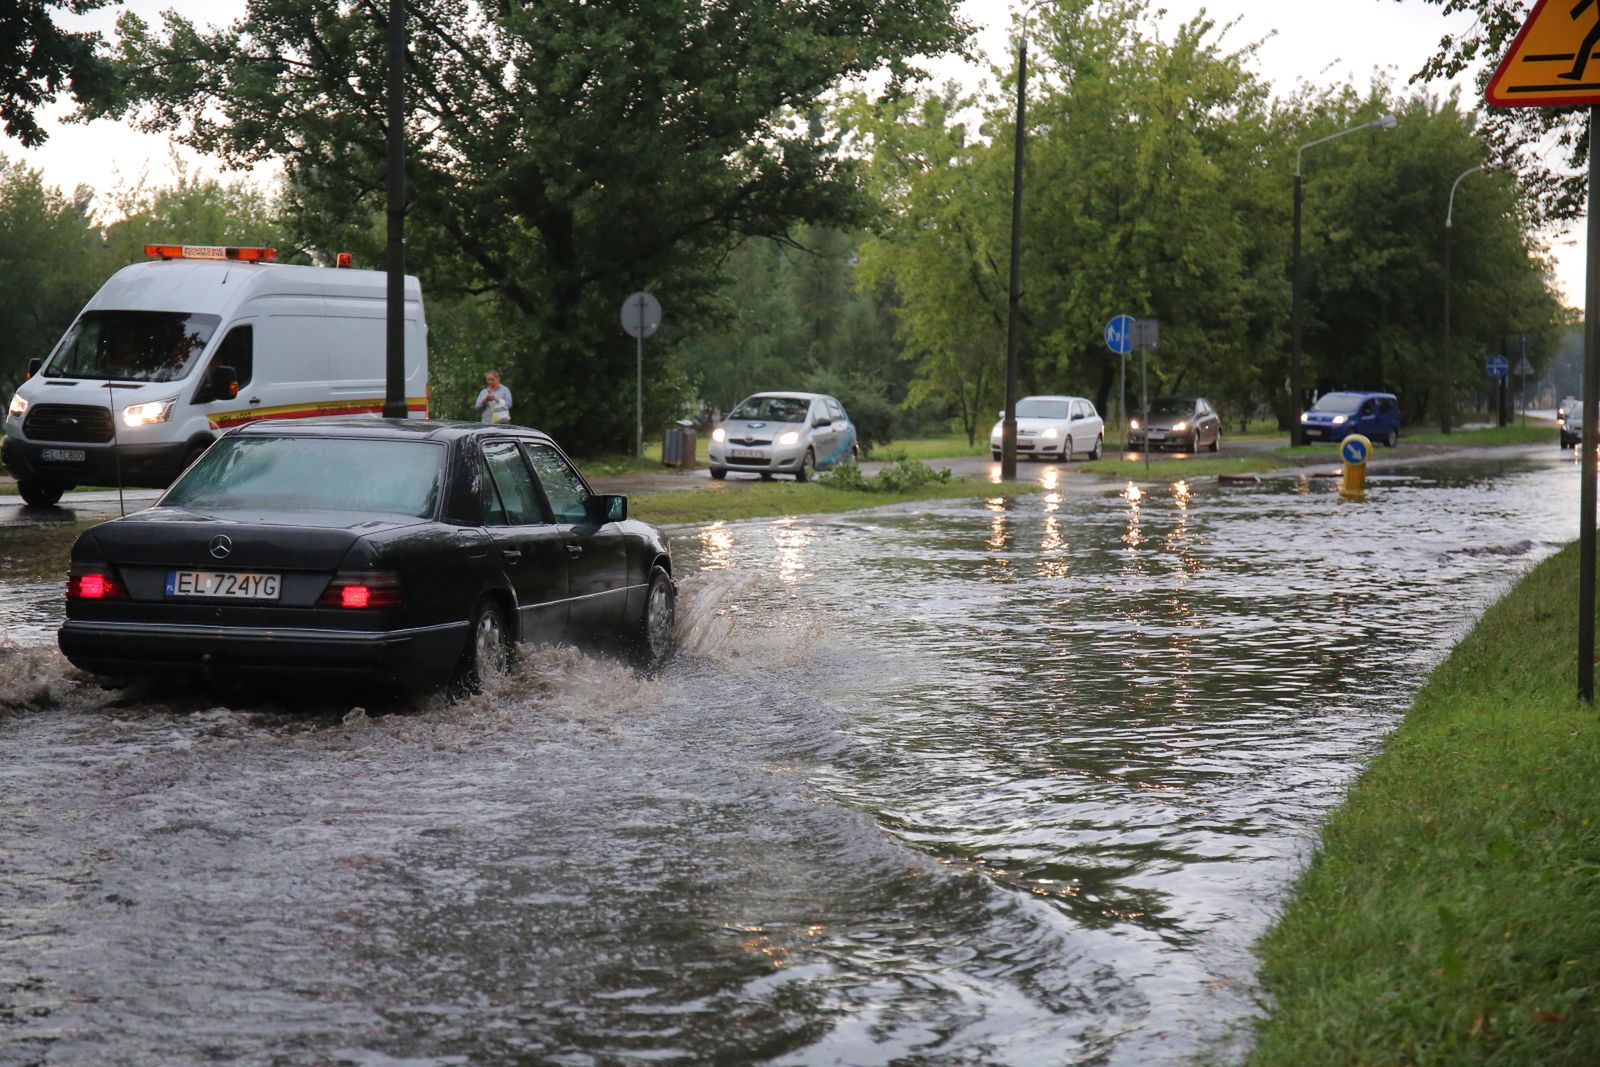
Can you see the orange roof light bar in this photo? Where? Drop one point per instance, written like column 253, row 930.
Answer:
column 226, row 252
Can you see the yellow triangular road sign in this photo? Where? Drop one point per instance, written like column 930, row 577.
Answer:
column 1555, row 59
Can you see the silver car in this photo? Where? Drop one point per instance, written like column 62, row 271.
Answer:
column 1054, row 427
column 783, row 433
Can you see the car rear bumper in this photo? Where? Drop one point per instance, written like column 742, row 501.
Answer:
column 418, row 656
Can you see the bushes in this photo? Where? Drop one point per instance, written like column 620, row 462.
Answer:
column 902, row 475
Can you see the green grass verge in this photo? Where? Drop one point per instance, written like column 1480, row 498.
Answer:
column 1489, row 436
column 1452, row 913
column 727, row 502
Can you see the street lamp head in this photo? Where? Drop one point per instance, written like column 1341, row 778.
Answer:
column 1384, row 122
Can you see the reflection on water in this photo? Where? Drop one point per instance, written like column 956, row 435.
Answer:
column 1013, row 781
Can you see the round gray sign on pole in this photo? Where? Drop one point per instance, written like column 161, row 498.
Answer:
column 641, row 315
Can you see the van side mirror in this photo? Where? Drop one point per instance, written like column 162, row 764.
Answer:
column 33, row 366
column 606, row 507
column 222, row 383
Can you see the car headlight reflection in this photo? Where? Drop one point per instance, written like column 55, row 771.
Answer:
column 719, row 435
column 792, row 437
column 19, row 407
column 148, row 414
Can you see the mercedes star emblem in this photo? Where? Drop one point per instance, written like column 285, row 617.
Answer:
column 221, row 546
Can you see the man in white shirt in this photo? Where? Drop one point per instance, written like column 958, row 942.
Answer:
column 494, row 399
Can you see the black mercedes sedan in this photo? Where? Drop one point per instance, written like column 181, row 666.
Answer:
column 407, row 553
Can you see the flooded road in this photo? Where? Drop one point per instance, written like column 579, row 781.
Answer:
column 1005, row 782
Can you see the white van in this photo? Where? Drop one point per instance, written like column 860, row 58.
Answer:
column 171, row 352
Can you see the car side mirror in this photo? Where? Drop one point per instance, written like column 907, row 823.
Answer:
column 820, row 423
column 606, row 507
column 33, row 366
column 222, row 383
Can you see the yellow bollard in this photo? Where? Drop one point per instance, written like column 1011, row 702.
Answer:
column 1354, row 451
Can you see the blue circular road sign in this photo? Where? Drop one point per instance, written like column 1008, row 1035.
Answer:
column 1119, row 334
column 1355, row 449
column 1498, row 366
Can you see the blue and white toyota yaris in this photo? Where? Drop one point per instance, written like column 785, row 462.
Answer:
column 783, row 433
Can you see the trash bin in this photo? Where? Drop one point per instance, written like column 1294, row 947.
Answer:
column 677, row 448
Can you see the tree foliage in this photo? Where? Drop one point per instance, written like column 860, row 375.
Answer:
column 39, row 61
column 562, row 155
column 1519, row 140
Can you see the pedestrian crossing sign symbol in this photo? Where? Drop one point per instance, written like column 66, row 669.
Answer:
column 1553, row 62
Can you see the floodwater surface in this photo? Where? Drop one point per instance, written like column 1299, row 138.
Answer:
column 983, row 782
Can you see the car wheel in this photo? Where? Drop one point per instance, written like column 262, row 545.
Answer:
column 654, row 633
column 808, row 466
column 39, row 494
column 1216, row 440
column 1066, row 450
column 719, row 473
column 1392, row 438
column 1099, row 447
column 996, row 455
column 488, row 645
column 766, row 476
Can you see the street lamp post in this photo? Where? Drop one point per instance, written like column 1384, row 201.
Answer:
column 1447, row 382
column 1008, row 425
column 1382, row 122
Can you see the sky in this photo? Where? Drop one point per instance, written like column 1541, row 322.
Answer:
column 1329, row 41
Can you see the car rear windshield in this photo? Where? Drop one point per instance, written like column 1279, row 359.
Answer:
column 1338, row 403
column 773, row 409
column 131, row 346
column 314, row 474
column 1042, row 409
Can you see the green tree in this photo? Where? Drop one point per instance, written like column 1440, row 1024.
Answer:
column 563, row 155
column 52, row 260
column 39, row 61
column 196, row 210
column 1374, row 229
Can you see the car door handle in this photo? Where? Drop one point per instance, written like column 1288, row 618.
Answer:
column 574, row 550
column 511, row 555
column 254, row 400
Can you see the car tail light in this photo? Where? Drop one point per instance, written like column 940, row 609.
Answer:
column 362, row 589
column 93, row 583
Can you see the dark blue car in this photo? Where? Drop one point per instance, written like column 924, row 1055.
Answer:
column 1336, row 416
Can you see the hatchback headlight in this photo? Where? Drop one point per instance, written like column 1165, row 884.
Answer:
column 1050, row 434
column 1305, row 416
column 148, row 414
column 719, row 435
column 1338, row 420
column 792, row 437
column 19, row 406
column 1180, row 426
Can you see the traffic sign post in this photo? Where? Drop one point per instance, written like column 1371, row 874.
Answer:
column 1551, row 63
column 641, row 317
column 1119, row 338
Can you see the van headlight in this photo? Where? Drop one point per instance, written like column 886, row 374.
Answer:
column 19, row 407
column 148, row 414
column 792, row 437
column 719, row 435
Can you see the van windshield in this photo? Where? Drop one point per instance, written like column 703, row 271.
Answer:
column 1338, row 403
column 131, row 346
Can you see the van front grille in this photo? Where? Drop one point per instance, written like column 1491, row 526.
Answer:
column 67, row 422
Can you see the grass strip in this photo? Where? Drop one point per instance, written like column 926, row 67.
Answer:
column 1452, row 912
column 719, row 500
